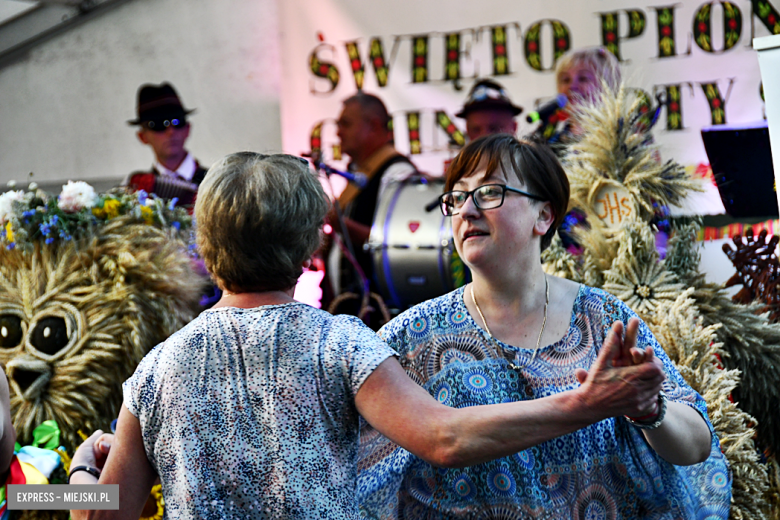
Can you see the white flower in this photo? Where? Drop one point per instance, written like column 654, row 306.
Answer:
column 76, row 196
column 7, row 200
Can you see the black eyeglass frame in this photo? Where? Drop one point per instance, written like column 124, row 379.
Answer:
column 161, row 125
column 504, row 189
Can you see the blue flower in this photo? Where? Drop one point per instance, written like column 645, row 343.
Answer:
column 29, row 213
column 49, row 240
column 176, row 225
column 142, row 196
column 54, row 220
column 172, row 203
column 11, row 245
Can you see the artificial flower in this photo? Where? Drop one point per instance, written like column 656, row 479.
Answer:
column 148, row 214
column 7, row 200
column 111, row 207
column 76, row 196
column 79, row 212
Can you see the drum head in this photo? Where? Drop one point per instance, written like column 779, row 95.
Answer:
column 414, row 256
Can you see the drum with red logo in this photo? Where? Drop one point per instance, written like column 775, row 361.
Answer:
column 411, row 244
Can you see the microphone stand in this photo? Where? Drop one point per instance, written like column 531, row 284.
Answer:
column 360, row 275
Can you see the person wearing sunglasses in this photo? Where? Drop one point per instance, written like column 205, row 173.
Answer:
column 163, row 126
column 517, row 335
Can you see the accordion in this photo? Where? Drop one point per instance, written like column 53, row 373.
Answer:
column 165, row 186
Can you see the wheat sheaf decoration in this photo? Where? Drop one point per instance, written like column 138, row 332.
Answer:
column 638, row 276
column 722, row 349
column 615, row 155
column 678, row 326
column 89, row 283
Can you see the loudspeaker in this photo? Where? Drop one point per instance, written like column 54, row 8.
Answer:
column 741, row 161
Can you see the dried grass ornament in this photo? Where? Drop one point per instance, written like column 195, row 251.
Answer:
column 618, row 180
column 78, row 316
column 89, row 283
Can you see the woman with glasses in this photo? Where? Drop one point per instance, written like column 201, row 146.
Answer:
column 251, row 410
column 517, row 335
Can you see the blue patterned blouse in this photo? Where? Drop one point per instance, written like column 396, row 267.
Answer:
column 603, row 471
column 250, row 414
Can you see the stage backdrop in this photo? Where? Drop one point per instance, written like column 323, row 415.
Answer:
column 421, row 57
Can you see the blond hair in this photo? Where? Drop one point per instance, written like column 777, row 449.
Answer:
column 601, row 61
column 258, row 219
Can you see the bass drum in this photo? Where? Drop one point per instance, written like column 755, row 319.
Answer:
column 411, row 245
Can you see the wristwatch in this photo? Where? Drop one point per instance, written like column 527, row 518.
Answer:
column 657, row 420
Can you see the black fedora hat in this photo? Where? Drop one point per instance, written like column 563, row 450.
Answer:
column 158, row 102
column 486, row 94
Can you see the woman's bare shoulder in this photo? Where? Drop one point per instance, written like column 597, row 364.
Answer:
column 563, row 291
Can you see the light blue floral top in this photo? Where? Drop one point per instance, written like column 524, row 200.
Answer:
column 603, row 471
column 249, row 413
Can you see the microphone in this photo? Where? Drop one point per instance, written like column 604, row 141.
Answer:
column 357, row 178
column 432, row 205
column 546, row 110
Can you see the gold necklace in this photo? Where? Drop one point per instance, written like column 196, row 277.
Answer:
column 544, row 321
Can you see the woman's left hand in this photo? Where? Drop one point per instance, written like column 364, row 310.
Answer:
column 630, row 355
column 93, row 451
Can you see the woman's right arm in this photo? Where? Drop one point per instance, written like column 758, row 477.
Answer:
column 450, row 437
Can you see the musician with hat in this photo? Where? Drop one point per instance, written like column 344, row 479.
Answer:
column 175, row 173
column 164, row 127
column 488, row 110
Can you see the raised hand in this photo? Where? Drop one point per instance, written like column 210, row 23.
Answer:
column 93, row 451
column 629, row 354
column 623, row 380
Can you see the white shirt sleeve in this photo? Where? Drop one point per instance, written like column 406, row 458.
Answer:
column 398, row 172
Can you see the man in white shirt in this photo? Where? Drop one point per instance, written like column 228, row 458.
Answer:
column 363, row 129
column 164, row 127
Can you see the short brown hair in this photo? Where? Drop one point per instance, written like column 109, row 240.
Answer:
column 533, row 163
column 258, row 220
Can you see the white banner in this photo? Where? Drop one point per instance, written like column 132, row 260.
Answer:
column 421, row 57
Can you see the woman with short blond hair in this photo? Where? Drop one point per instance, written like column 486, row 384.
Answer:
column 581, row 73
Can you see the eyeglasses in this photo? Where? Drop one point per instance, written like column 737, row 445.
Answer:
column 161, row 125
column 487, row 196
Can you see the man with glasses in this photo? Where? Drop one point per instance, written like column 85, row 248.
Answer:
column 488, row 110
column 164, row 127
